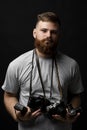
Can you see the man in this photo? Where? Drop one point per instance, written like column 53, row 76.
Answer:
column 42, row 79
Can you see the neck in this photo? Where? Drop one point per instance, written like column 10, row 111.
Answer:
column 42, row 54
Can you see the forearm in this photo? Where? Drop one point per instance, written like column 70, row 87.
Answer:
column 76, row 101
column 10, row 100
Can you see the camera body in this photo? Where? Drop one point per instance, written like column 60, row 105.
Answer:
column 58, row 108
column 73, row 111
column 38, row 102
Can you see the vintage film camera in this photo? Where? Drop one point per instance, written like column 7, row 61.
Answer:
column 38, row 102
column 56, row 108
column 73, row 111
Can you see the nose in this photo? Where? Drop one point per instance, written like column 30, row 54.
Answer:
column 49, row 34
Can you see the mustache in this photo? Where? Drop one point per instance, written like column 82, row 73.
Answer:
column 47, row 40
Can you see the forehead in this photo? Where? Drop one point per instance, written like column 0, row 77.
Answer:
column 47, row 24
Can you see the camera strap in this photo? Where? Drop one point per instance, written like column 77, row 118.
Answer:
column 39, row 71
column 59, row 84
column 31, row 74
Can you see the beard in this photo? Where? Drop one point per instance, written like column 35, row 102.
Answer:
column 46, row 46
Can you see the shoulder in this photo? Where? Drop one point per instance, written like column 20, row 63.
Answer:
column 68, row 61
column 22, row 60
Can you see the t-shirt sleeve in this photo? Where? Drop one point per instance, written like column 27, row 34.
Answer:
column 11, row 82
column 76, row 85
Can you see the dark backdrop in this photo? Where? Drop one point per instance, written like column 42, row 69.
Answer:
column 17, row 20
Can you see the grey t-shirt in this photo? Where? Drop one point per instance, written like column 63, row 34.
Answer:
column 18, row 76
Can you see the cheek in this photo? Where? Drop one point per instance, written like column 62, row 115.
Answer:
column 40, row 36
column 56, row 38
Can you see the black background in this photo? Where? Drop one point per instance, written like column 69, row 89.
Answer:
column 17, row 19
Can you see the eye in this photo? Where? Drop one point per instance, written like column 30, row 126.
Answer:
column 54, row 32
column 44, row 30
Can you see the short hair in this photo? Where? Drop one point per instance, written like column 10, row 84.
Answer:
column 49, row 16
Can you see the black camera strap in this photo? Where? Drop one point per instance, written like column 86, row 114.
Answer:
column 31, row 74
column 39, row 71
column 59, row 84
column 38, row 66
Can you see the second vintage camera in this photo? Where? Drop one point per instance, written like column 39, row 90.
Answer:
column 73, row 111
column 56, row 108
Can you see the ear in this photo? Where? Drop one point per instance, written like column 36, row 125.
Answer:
column 34, row 33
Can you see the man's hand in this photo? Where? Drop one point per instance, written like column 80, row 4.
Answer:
column 28, row 115
column 68, row 118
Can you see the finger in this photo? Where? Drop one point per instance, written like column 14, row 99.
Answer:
column 36, row 113
column 58, row 117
